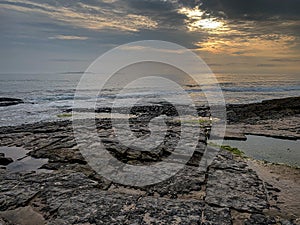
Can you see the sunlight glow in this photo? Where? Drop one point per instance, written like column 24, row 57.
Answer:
column 263, row 46
column 192, row 13
column 197, row 21
column 208, row 24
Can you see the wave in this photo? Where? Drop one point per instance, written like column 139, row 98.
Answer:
column 261, row 89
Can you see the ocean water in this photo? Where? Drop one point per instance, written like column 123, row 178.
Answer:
column 48, row 95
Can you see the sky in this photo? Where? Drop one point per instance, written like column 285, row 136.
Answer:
column 232, row 36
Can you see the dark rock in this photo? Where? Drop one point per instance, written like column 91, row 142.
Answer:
column 286, row 222
column 258, row 219
column 23, row 215
column 268, row 109
column 4, row 161
column 10, row 101
column 214, row 215
column 244, row 190
column 75, row 194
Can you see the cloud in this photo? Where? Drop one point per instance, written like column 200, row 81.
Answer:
column 285, row 60
column 266, row 45
column 257, row 29
column 164, row 12
column 266, row 65
column 79, row 14
column 161, row 49
column 254, row 9
column 67, row 37
column 68, row 60
column 222, row 29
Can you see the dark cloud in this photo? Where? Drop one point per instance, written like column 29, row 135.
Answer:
column 285, row 60
column 68, row 60
column 266, row 65
column 22, row 4
column 215, row 64
column 150, row 5
column 254, row 9
column 163, row 12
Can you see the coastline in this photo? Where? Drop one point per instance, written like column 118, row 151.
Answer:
column 286, row 180
column 255, row 191
column 278, row 118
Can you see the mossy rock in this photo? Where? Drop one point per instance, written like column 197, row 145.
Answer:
column 64, row 115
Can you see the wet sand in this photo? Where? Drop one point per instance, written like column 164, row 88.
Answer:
column 287, row 180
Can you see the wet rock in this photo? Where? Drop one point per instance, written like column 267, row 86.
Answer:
column 107, row 208
column 244, row 190
column 72, row 198
column 10, row 101
column 4, row 161
column 62, row 155
column 15, row 193
column 268, row 109
column 286, row 222
column 68, row 197
column 257, row 219
column 214, row 215
column 225, row 192
column 277, row 118
column 23, row 216
column 186, row 181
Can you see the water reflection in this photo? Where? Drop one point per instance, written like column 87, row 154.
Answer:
column 269, row 149
column 22, row 162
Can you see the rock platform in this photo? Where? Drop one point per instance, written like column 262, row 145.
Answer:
column 68, row 191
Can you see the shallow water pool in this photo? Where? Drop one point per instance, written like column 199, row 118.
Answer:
column 22, row 162
column 269, row 149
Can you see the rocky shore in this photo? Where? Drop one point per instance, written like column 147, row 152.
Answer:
column 68, row 191
column 278, row 118
column 10, row 101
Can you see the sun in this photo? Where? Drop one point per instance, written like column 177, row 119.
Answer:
column 208, row 24
column 195, row 20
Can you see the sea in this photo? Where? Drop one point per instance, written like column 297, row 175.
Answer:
column 48, row 96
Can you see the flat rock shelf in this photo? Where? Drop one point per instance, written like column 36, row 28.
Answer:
column 232, row 190
column 228, row 192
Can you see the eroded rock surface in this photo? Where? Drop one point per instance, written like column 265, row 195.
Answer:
column 227, row 192
column 278, row 118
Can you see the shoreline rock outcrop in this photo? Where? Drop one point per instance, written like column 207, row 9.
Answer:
column 4, row 101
